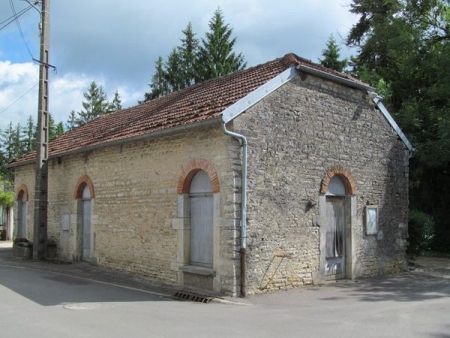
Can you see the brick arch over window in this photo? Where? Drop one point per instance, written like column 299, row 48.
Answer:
column 82, row 182
column 189, row 172
column 344, row 175
column 21, row 191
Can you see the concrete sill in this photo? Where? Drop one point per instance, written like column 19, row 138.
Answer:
column 198, row 270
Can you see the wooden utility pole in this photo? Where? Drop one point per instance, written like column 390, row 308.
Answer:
column 41, row 186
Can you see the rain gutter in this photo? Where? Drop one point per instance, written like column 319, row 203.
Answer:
column 335, row 78
column 230, row 114
column 377, row 100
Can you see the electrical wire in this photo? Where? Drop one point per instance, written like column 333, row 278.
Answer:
column 13, row 18
column 35, row 3
column 13, row 8
column 12, row 104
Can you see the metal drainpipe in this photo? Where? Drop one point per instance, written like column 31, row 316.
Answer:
column 243, row 250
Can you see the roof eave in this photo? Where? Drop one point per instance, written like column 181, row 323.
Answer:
column 377, row 100
column 160, row 133
column 335, row 78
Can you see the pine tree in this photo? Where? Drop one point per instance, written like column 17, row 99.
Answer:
column 331, row 56
column 116, row 103
column 188, row 51
column 191, row 63
column 96, row 104
column 12, row 142
column 72, row 121
column 216, row 57
column 54, row 129
column 59, row 129
column 159, row 86
column 173, row 70
column 30, row 140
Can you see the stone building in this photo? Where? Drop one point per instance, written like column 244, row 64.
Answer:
column 281, row 175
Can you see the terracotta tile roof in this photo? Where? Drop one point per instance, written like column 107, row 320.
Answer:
column 201, row 102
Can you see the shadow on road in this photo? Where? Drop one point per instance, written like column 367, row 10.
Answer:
column 51, row 284
column 406, row 287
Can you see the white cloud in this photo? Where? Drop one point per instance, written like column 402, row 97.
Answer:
column 15, row 103
column 66, row 93
column 117, row 45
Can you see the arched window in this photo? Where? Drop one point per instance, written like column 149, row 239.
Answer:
column 22, row 206
column 86, row 222
column 201, row 208
column 84, row 193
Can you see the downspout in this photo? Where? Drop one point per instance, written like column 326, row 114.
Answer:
column 243, row 250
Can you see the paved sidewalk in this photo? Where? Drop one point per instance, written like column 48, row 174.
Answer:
column 88, row 271
column 428, row 266
column 412, row 304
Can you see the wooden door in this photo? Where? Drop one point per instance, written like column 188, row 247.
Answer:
column 335, row 238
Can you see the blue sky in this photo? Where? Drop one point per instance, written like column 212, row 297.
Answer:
column 116, row 43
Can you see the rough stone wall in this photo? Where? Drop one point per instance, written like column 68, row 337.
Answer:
column 296, row 135
column 135, row 203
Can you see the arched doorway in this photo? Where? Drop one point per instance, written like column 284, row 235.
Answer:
column 335, row 229
column 337, row 219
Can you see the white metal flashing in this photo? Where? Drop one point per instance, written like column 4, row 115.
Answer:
column 258, row 94
column 377, row 100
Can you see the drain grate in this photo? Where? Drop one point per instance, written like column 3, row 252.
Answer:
column 193, row 297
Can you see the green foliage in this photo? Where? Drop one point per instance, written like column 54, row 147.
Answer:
column 16, row 141
column 404, row 52
column 215, row 56
column 6, row 196
column 174, row 74
column 421, row 232
column 54, row 130
column 331, row 56
column 159, row 86
column 116, row 103
column 193, row 62
column 188, row 50
column 71, row 121
column 96, row 104
column 30, row 142
column 11, row 146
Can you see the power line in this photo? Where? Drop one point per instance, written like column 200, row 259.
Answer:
column 20, row 28
column 12, row 104
column 14, row 17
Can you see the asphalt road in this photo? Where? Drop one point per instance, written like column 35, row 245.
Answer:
column 38, row 300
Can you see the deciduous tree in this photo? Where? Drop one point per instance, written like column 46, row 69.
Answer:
column 405, row 45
